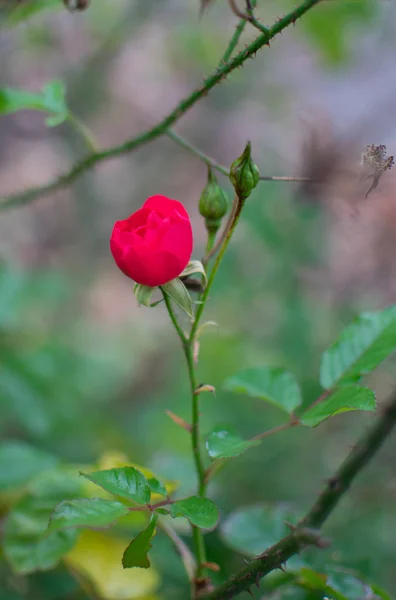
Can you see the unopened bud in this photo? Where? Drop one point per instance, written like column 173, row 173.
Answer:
column 244, row 174
column 213, row 203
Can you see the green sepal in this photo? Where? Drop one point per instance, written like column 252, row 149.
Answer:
column 143, row 295
column 177, row 291
column 195, row 266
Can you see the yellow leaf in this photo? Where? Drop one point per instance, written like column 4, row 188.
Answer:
column 97, row 557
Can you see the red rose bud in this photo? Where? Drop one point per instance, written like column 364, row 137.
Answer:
column 154, row 245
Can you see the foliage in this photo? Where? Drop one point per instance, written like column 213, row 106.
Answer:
column 115, row 529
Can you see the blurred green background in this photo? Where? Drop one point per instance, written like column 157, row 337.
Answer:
column 84, row 370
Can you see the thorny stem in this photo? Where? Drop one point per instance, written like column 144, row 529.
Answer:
column 149, row 135
column 233, row 42
column 250, row 14
column 336, row 487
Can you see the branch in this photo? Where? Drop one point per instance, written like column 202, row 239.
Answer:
column 274, row 557
column 149, row 135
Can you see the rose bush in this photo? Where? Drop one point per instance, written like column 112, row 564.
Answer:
column 153, row 245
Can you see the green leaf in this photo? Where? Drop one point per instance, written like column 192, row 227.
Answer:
column 346, row 398
column 311, row 580
column 135, row 554
column 20, row 462
column 194, row 266
column 360, row 348
column 26, row 545
column 86, row 512
column 224, row 442
column 201, row 512
column 274, row 385
column 25, row 10
column 338, row 584
column 252, row 529
column 55, row 102
column 97, row 558
column 143, row 294
column 177, row 291
column 380, row 592
column 127, row 482
column 51, row 100
column 326, row 25
column 156, row 486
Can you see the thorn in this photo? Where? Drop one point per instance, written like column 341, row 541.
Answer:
column 211, row 566
column 282, row 567
column 205, row 387
column 179, row 421
column 249, row 591
column 292, row 527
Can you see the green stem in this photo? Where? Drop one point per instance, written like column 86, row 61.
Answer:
column 84, row 132
column 184, row 551
column 222, row 236
column 210, row 242
column 187, row 146
column 250, row 5
column 188, row 345
column 336, row 487
column 227, row 237
column 151, row 134
column 180, row 332
column 234, row 41
column 200, row 552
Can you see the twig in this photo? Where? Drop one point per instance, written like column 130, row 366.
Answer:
column 186, row 555
column 274, row 430
column 83, row 130
column 180, row 141
column 234, row 40
column 336, row 487
column 20, row 199
column 255, row 22
column 297, row 179
column 221, row 462
column 204, row 157
column 217, row 245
